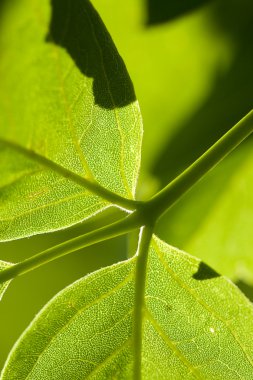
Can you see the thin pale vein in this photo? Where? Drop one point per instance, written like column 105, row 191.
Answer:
column 83, row 309
column 87, row 171
column 172, row 346
column 201, row 302
column 117, row 119
column 109, row 358
column 48, row 205
column 21, row 176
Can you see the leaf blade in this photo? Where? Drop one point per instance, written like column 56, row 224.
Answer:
column 68, row 313
column 196, row 325
column 51, row 103
column 216, row 305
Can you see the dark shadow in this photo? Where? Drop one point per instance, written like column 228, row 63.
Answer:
column 160, row 11
column 246, row 289
column 2, row 5
column 76, row 27
column 2, row 2
column 204, row 272
column 230, row 99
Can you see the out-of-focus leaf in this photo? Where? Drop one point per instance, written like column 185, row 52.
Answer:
column 196, row 325
column 159, row 11
column 214, row 220
column 3, row 286
column 182, row 60
column 65, row 94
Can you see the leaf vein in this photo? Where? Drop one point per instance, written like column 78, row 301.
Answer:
column 48, row 205
column 109, row 358
column 82, row 309
column 117, row 119
column 87, row 171
column 172, row 346
column 200, row 301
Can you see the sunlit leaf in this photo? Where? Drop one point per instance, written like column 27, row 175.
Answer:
column 176, row 87
column 196, row 325
column 65, row 94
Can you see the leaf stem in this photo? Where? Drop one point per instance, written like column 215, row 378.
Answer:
column 93, row 186
column 140, row 282
column 145, row 213
column 115, row 229
column 171, row 193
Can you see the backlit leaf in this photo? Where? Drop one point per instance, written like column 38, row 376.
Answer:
column 196, row 325
column 65, row 94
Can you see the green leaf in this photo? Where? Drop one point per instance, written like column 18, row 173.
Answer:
column 66, row 95
column 3, row 286
column 196, row 325
column 223, row 198
column 232, row 209
column 176, row 87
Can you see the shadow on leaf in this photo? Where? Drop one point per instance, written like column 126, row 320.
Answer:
column 204, row 272
column 245, row 288
column 76, row 27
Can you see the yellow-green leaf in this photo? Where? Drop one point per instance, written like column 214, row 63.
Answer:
column 65, row 95
column 195, row 323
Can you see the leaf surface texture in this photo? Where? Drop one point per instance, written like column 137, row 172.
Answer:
column 196, row 325
column 66, row 95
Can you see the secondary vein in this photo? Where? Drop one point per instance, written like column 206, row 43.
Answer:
column 172, row 346
column 92, row 186
column 117, row 118
column 198, row 299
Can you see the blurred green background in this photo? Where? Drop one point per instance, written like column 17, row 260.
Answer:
column 191, row 63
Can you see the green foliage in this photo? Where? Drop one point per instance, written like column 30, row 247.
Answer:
column 92, row 316
column 223, row 199
column 191, row 318
column 76, row 108
column 3, row 285
column 70, row 141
